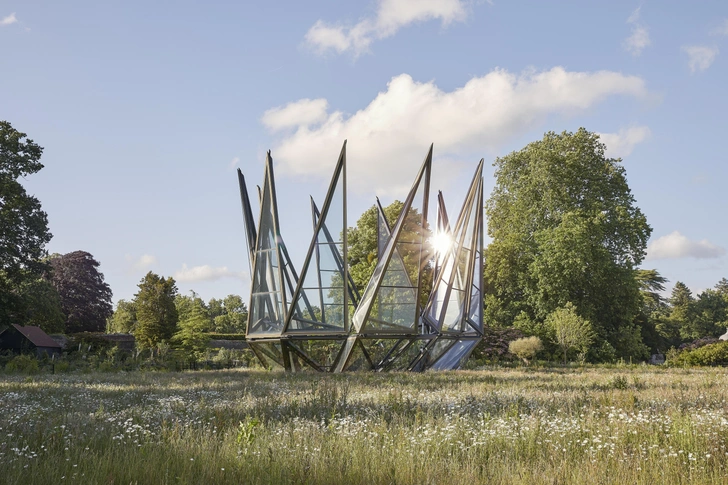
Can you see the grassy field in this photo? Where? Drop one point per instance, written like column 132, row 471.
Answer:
column 601, row 425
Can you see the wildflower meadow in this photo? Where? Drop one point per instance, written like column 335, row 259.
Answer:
column 553, row 426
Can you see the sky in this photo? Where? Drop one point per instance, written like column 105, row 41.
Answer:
column 146, row 109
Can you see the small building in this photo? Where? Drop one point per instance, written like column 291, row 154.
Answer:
column 28, row 339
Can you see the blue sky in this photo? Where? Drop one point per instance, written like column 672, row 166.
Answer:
column 145, row 109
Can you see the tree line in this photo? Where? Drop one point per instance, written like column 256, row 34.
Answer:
column 564, row 263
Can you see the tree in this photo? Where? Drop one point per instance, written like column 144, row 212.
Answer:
column 362, row 249
column 683, row 311
column 85, row 296
column 191, row 335
column 565, row 228
column 155, row 310
column 232, row 316
column 124, row 319
column 23, row 225
column 526, row 348
column 42, row 306
column 571, row 331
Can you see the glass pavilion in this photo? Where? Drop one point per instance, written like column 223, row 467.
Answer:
column 319, row 320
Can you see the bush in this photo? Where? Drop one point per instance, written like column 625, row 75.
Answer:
column 26, row 364
column 712, row 354
column 526, row 348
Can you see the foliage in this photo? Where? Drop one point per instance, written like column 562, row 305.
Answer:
column 42, row 305
column 708, row 355
column 362, row 249
column 23, row 363
column 155, row 309
column 191, row 336
column 571, row 332
column 124, row 319
column 565, row 228
column 526, row 348
column 640, row 425
column 494, row 345
column 24, row 226
column 229, row 315
column 85, row 296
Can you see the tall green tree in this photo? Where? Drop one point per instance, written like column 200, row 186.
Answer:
column 229, row 315
column 571, row 331
column 565, row 228
column 155, row 310
column 683, row 311
column 23, row 225
column 191, row 334
column 124, row 319
column 85, row 296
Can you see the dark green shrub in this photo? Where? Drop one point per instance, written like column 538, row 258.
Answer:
column 712, row 354
column 27, row 364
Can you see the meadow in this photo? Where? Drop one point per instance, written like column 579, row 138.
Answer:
column 604, row 425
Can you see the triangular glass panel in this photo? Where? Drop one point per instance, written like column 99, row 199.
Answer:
column 381, row 350
column 454, row 357
column 297, row 361
column 390, row 302
column 249, row 222
column 267, row 302
column 322, row 352
column 353, row 357
column 269, row 354
column 321, row 299
column 448, row 307
column 475, row 302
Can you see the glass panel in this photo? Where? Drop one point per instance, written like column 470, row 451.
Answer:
column 323, row 352
column 437, row 350
column 390, row 302
column 455, row 355
column 406, row 356
column 379, row 349
column 266, row 302
column 269, row 353
column 357, row 360
column 320, row 304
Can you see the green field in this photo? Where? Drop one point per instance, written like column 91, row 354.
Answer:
column 582, row 425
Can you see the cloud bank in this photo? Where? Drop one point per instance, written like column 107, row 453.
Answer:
column 640, row 36
column 621, row 144
column 205, row 273
column 700, row 56
column 675, row 246
column 9, row 20
column 393, row 132
column 390, row 16
column 141, row 263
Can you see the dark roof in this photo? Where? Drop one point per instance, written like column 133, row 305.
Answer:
column 37, row 336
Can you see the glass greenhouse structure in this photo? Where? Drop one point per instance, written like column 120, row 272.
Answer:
column 421, row 309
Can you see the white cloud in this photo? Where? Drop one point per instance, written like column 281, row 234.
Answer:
column 700, row 56
column 204, row 273
column 143, row 262
column 10, row 19
column 234, row 162
column 621, row 144
column 391, row 15
column 675, row 245
column 391, row 135
column 640, row 36
column 303, row 112
column 722, row 29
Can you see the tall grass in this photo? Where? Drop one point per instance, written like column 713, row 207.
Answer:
column 625, row 425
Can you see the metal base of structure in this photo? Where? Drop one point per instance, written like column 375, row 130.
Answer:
column 321, row 322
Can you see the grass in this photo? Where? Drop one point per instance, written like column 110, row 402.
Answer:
column 590, row 425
